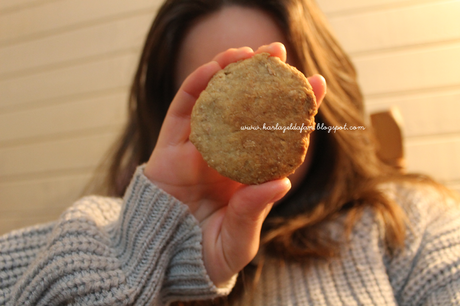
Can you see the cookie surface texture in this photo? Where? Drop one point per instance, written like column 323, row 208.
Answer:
column 252, row 122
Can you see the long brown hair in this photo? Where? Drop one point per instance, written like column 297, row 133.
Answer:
column 345, row 170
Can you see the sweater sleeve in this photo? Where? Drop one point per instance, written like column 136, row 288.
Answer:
column 427, row 271
column 144, row 250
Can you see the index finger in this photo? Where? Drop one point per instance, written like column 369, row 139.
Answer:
column 176, row 126
column 233, row 55
column 275, row 49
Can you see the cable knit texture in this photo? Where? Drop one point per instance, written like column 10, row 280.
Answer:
column 146, row 250
column 426, row 272
column 101, row 252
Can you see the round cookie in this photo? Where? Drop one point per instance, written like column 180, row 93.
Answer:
column 252, row 122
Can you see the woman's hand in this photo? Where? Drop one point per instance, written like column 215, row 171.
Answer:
column 230, row 214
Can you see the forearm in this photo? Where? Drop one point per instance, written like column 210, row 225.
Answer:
column 147, row 252
column 159, row 245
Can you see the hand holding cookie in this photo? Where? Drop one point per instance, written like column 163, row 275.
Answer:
column 230, row 213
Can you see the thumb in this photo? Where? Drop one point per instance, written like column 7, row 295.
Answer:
column 242, row 223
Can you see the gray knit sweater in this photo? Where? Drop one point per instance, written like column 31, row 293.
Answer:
column 146, row 250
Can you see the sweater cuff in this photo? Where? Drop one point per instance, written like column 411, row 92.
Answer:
column 158, row 240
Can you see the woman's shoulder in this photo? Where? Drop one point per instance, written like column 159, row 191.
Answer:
column 424, row 203
column 428, row 261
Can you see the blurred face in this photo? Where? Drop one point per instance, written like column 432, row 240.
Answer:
column 231, row 27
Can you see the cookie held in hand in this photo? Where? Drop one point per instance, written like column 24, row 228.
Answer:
column 253, row 121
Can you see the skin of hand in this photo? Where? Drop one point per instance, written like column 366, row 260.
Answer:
column 230, row 214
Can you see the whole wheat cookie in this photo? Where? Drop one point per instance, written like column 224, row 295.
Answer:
column 253, row 121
